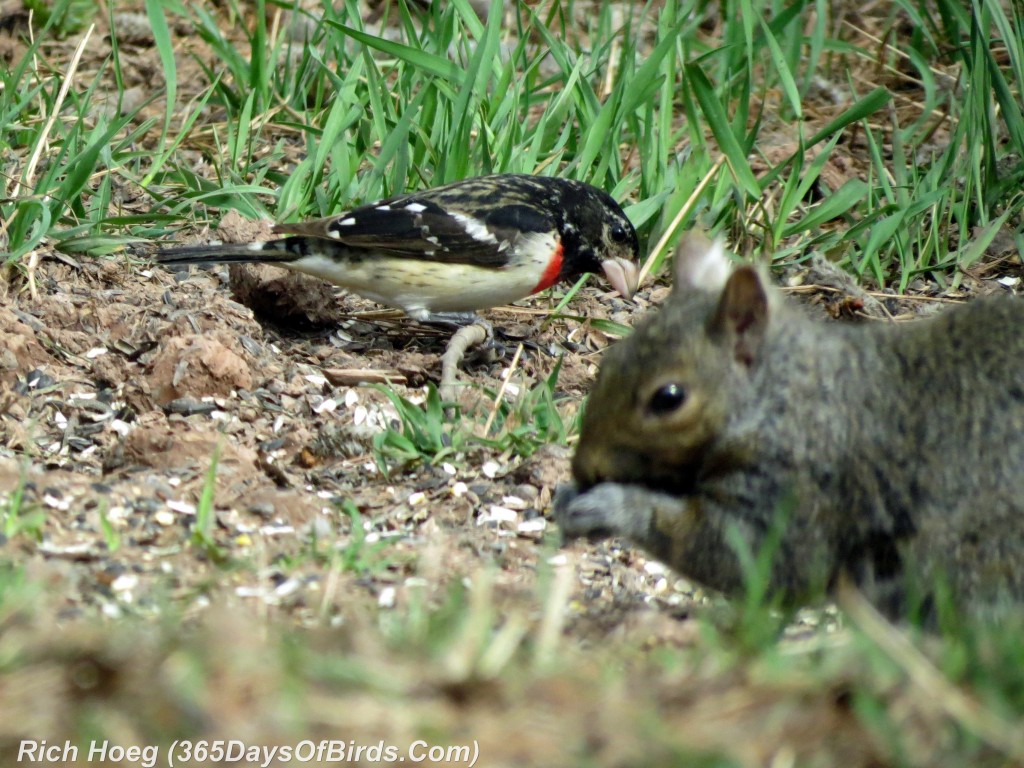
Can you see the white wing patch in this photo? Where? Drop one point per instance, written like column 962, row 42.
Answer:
column 475, row 228
column 415, row 208
column 348, row 221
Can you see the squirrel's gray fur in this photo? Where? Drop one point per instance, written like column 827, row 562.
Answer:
column 889, row 454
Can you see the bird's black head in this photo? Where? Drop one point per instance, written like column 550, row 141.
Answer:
column 597, row 237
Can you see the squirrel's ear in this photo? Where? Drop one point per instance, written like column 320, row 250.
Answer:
column 742, row 314
column 700, row 263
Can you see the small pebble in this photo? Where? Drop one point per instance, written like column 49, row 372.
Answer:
column 537, row 525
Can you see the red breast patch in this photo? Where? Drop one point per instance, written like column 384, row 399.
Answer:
column 551, row 271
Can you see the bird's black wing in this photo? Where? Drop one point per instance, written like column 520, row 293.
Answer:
column 415, row 226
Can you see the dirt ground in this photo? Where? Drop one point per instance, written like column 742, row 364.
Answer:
column 121, row 382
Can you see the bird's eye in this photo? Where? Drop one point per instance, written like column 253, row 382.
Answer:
column 666, row 399
column 619, row 233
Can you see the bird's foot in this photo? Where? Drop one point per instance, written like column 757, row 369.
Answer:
column 477, row 334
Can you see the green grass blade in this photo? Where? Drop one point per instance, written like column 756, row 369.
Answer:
column 165, row 49
column 714, row 113
column 415, row 57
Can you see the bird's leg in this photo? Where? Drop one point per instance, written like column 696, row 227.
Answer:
column 474, row 333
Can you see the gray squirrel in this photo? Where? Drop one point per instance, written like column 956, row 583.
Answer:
column 886, row 455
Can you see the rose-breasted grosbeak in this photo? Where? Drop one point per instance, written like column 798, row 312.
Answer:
column 471, row 245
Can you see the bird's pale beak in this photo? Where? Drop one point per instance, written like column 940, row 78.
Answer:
column 622, row 274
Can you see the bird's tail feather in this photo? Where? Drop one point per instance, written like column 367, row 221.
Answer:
column 229, row 253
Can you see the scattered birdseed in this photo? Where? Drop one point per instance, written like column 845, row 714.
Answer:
column 288, row 587
column 534, row 526
column 654, row 568
column 56, row 502
column 277, row 530
column 182, row 507
column 386, row 599
column 328, row 405
column 498, row 514
column 125, row 583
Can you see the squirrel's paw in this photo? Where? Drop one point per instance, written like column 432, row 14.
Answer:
column 596, row 513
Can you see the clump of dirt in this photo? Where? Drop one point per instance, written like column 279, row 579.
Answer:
column 198, row 366
column 287, row 299
column 19, row 350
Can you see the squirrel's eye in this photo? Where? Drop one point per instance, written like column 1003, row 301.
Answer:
column 667, row 399
column 619, row 233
